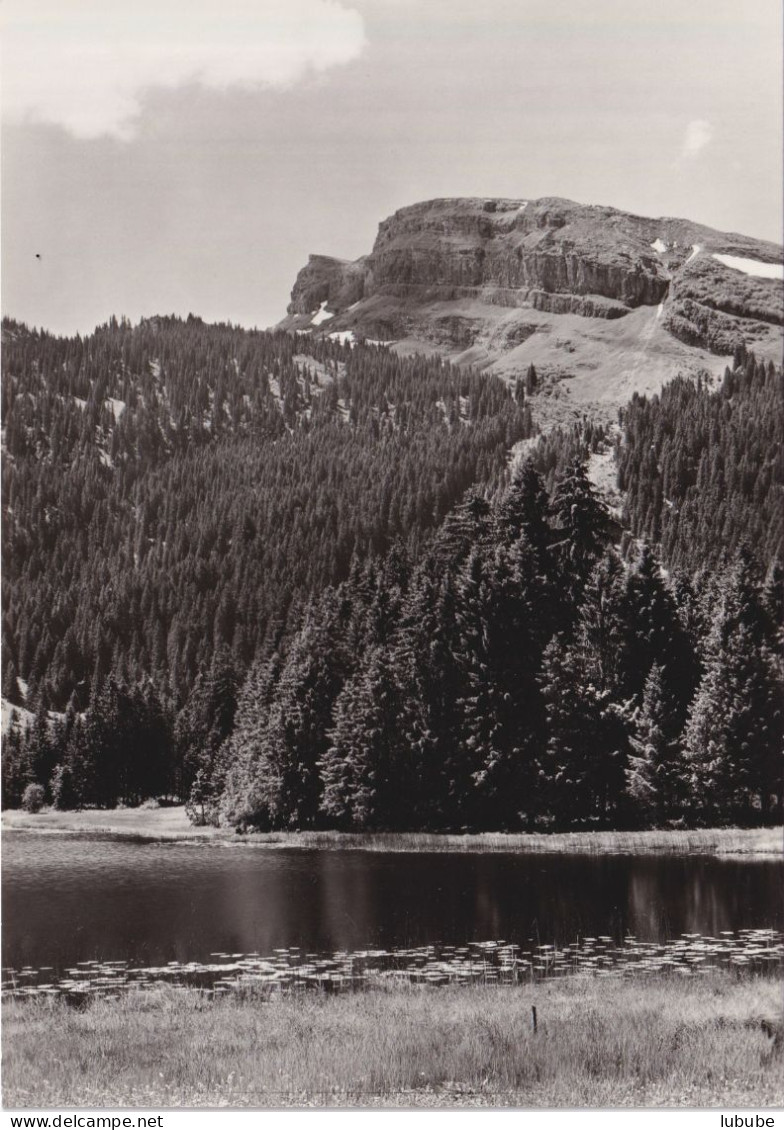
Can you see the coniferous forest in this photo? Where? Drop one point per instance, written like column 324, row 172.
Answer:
column 300, row 584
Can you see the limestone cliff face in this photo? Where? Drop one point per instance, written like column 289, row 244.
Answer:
column 553, row 247
column 548, row 245
column 335, row 281
column 552, row 256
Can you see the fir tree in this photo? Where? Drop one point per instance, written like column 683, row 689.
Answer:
column 582, row 768
column 600, row 627
column 654, row 777
column 241, row 804
column 467, row 527
column 652, row 633
column 11, row 692
column 525, row 510
column 40, row 751
column 205, row 722
column 581, row 526
column 735, row 728
column 286, row 782
column 428, row 657
column 368, row 771
column 500, row 705
column 16, row 769
column 63, row 789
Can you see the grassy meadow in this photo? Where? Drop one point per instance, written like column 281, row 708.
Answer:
column 171, row 823
column 665, row 1041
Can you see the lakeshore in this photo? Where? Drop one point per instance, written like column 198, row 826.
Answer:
column 683, row 1021
column 171, row 824
column 667, row 1041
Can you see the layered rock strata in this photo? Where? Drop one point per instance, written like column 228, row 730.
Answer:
column 438, row 269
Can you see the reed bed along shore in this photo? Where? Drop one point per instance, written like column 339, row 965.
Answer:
column 171, row 823
column 706, row 841
column 666, row 1041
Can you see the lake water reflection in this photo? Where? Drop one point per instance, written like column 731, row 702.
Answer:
column 67, row 899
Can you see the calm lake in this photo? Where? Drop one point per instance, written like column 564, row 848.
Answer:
column 67, row 899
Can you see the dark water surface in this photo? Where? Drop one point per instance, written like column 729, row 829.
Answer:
column 68, row 899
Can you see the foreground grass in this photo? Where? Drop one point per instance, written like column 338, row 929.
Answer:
column 661, row 1042
column 172, row 824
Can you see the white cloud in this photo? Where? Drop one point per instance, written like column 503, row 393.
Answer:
column 698, row 134
column 85, row 64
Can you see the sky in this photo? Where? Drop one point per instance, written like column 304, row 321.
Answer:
column 186, row 156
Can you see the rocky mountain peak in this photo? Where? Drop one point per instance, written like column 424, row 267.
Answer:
column 572, row 288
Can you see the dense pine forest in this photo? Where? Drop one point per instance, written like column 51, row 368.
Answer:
column 176, row 488
column 300, row 584
column 703, row 471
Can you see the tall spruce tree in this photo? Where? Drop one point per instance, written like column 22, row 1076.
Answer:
column 431, row 672
column 287, row 780
column 652, row 633
column 484, row 728
column 466, row 527
column 241, row 803
column 735, row 728
column 205, row 722
column 369, row 770
column 655, row 774
column 581, row 525
column 524, row 509
column 599, row 630
column 500, row 707
column 16, row 770
column 582, row 766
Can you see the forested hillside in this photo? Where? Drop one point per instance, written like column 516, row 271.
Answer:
column 292, row 582
column 521, row 676
column 176, row 488
column 705, row 471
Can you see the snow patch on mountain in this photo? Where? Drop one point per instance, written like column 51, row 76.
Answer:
column 754, row 267
column 321, row 315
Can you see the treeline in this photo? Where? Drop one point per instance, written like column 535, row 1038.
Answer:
column 174, row 489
